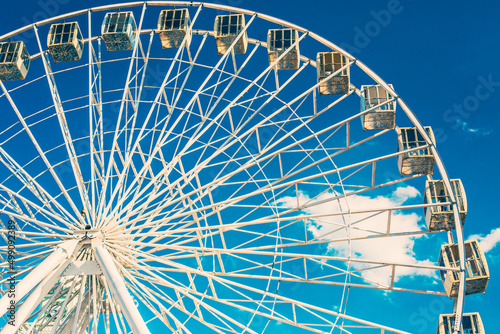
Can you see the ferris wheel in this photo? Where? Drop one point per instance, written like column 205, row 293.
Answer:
column 192, row 167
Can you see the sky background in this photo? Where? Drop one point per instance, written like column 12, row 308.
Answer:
column 441, row 57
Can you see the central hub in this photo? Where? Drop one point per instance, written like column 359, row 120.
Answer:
column 87, row 234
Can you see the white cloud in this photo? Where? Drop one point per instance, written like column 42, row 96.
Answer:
column 391, row 249
column 402, row 194
column 488, row 242
column 479, row 131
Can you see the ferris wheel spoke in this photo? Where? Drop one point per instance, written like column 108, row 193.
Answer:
column 260, row 310
column 135, row 103
column 194, row 98
column 249, row 130
column 221, row 149
column 143, row 225
column 137, row 194
column 35, row 189
column 149, row 218
column 48, row 214
column 33, row 239
column 277, row 184
column 238, row 287
column 209, row 109
column 35, row 222
column 291, row 243
column 117, row 170
column 135, row 98
column 201, row 130
column 171, row 186
column 156, row 101
column 221, row 61
column 153, row 196
column 290, row 210
column 209, row 251
column 333, row 128
column 138, row 94
column 298, row 219
column 92, row 105
column 139, row 191
column 156, row 149
column 64, row 128
column 191, row 62
column 136, row 208
column 143, row 292
column 158, row 191
column 177, row 92
column 300, row 97
column 255, row 160
column 22, row 257
column 183, row 292
column 146, row 296
column 24, row 176
column 114, row 145
column 306, row 278
column 122, row 172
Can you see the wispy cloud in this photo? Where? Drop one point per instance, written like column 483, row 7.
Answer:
column 459, row 112
column 489, row 241
column 402, row 194
column 479, row 131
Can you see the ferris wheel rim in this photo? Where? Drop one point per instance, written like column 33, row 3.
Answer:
column 363, row 67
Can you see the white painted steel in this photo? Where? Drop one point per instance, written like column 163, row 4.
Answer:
column 62, row 252
column 125, row 190
column 119, row 289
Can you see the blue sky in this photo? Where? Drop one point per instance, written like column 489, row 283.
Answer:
column 442, row 59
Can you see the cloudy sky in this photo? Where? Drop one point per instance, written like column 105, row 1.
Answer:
column 442, row 59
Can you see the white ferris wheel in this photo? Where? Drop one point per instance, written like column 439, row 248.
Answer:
column 187, row 167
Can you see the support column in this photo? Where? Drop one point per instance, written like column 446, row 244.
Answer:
column 62, row 252
column 35, row 298
column 118, row 289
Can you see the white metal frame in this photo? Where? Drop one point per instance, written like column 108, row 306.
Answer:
column 185, row 196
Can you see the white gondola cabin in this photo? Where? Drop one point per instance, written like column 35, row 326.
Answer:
column 14, row 61
column 65, row 42
column 441, row 217
column 419, row 161
column 280, row 41
column 471, row 324
column 118, row 31
column 328, row 63
column 476, row 268
column 173, row 25
column 383, row 114
column 226, row 29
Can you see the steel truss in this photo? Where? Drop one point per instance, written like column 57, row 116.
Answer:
column 183, row 210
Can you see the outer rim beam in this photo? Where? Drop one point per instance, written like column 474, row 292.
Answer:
column 406, row 109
